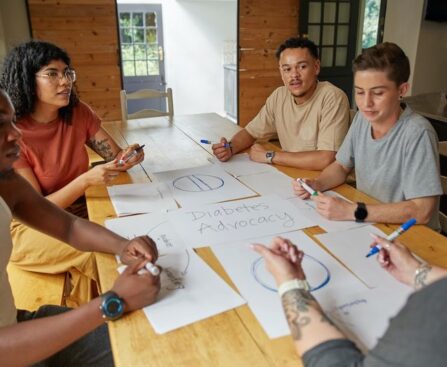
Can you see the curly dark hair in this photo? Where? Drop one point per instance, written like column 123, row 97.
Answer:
column 19, row 81
column 298, row 42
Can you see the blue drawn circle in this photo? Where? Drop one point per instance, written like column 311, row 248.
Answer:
column 307, row 261
column 198, row 183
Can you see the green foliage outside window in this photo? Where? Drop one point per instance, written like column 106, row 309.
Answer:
column 370, row 23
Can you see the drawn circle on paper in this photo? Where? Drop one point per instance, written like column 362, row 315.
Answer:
column 318, row 275
column 198, row 183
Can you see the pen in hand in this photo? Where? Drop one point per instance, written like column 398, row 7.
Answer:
column 306, row 187
column 205, row 141
column 404, row 227
column 131, row 155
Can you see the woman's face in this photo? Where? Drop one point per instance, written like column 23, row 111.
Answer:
column 53, row 87
column 377, row 97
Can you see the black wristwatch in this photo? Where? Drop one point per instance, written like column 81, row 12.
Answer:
column 360, row 213
column 112, row 306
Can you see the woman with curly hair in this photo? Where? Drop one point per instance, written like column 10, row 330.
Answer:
column 56, row 126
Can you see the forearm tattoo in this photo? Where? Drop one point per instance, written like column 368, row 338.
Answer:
column 297, row 304
column 420, row 278
column 103, row 148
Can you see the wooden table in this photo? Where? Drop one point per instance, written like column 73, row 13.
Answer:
column 233, row 338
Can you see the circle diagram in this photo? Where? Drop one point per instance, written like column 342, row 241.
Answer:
column 317, row 273
column 198, row 183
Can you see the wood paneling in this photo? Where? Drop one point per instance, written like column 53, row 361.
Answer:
column 87, row 30
column 263, row 26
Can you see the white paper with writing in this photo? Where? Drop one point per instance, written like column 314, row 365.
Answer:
column 202, row 185
column 190, row 290
column 236, row 220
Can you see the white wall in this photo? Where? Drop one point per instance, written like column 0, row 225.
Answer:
column 424, row 42
column 430, row 72
column 194, row 35
column 402, row 26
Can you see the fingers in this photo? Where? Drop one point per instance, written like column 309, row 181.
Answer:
column 135, row 266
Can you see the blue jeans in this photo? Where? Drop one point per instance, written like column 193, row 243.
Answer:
column 92, row 349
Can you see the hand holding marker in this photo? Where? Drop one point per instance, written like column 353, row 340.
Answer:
column 404, row 227
column 204, row 141
column 306, row 187
column 131, row 155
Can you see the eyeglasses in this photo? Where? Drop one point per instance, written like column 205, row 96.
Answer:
column 56, row 76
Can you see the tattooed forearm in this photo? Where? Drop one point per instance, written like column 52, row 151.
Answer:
column 298, row 304
column 103, row 148
column 420, row 278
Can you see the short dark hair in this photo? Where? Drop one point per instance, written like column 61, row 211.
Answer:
column 298, row 42
column 18, row 76
column 387, row 57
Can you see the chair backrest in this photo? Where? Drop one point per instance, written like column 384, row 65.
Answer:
column 146, row 94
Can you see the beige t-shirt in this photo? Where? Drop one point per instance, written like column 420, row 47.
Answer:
column 320, row 123
column 8, row 312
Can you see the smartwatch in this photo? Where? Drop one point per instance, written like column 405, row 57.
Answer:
column 360, row 213
column 293, row 284
column 112, row 306
column 269, row 156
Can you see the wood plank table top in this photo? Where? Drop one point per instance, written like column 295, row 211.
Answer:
column 233, row 338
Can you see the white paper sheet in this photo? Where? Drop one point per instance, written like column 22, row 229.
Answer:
column 307, row 208
column 236, row 220
column 363, row 314
column 330, row 282
column 270, row 183
column 141, row 198
column 202, row 185
column 242, row 165
column 190, row 290
column 351, row 247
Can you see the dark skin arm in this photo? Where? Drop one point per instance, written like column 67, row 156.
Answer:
column 34, row 210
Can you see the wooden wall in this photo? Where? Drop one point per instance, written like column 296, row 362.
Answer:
column 263, row 26
column 87, row 30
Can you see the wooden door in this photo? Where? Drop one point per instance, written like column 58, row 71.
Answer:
column 263, row 26
column 87, row 30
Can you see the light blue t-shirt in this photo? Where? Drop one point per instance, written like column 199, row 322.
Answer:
column 402, row 165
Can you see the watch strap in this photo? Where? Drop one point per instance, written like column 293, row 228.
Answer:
column 293, row 284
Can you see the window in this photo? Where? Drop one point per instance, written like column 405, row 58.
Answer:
column 139, row 43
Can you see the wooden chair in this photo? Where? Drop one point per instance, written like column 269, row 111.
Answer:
column 146, row 94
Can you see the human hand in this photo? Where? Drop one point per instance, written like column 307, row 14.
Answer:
column 139, row 247
column 130, row 157
column 100, row 175
column 282, row 259
column 223, row 154
column 137, row 288
column 257, row 153
column 299, row 190
column 334, row 208
column 397, row 260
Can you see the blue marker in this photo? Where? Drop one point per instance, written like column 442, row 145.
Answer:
column 204, row 141
column 404, row 227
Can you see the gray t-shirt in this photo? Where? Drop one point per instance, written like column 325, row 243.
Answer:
column 402, row 165
column 416, row 337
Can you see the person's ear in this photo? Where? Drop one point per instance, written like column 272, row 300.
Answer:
column 317, row 67
column 403, row 89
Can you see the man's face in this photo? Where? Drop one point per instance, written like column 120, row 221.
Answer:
column 9, row 135
column 299, row 71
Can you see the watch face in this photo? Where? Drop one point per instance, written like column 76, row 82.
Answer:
column 361, row 213
column 269, row 154
column 112, row 306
